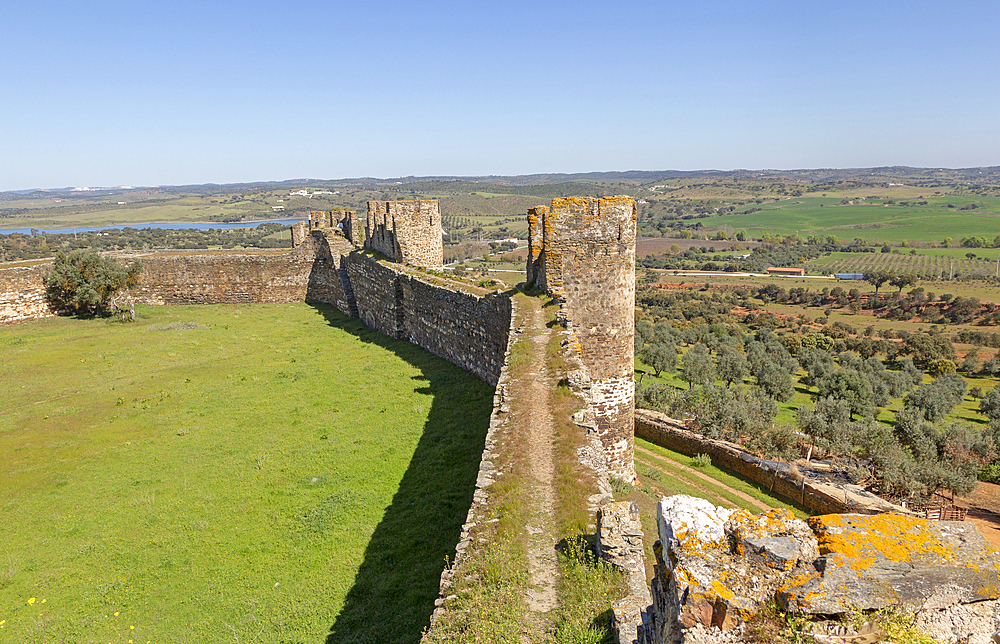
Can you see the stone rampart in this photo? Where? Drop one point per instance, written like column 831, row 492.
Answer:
column 489, row 466
column 466, row 329
column 223, row 278
column 408, row 232
column 22, row 295
column 380, row 303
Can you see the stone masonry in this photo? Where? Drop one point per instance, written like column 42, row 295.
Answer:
column 587, row 262
column 536, row 218
column 346, row 221
column 408, row 232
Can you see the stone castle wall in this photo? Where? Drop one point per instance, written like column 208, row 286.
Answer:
column 375, row 284
column 408, row 232
column 346, row 221
column 223, row 279
column 22, row 295
column 587, row 262
column 465, row 329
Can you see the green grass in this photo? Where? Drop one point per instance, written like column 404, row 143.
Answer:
column 216, row 473
column 871, row 221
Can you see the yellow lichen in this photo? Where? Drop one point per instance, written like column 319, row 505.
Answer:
column 863, row 540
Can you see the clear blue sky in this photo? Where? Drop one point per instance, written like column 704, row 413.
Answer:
column 149, row 93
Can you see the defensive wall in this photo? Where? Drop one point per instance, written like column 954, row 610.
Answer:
column 464, row 325
column 22, row 296
column 814, row 494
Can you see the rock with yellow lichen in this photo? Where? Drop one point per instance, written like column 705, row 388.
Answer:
column 873, row 561
column 716, row 568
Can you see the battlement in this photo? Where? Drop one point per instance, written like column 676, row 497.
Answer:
column 586, row 261
column 344, row 222
column 408, row 232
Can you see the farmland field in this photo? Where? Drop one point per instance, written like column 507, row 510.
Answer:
column 265, row 473
column 922, row 262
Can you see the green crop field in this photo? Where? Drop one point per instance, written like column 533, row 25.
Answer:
column 264, row 473
column 923, row 262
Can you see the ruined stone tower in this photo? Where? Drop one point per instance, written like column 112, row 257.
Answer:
column 586, row 260
column 536, row 216
column 408, row 232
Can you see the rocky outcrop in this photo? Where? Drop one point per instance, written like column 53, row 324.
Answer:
column 716, row 568
column 871, row 562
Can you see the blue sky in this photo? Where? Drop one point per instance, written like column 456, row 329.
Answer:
column 110, row 93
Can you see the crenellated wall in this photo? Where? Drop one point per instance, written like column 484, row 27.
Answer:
column 408, row 232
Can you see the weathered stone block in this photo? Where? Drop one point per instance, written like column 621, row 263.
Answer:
column 873, row 561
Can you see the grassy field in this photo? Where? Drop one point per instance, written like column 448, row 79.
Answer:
column 867, row 219
column 266, row 473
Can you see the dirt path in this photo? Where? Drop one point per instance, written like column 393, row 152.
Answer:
column 984, row 510
column 757, row 503
column 541, row 431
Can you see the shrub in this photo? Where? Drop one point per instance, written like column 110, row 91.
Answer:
column 701, row 460
column 86, row 283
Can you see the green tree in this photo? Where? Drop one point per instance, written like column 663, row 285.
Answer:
column 990, row 404
column 732, row 365
column 828, row 423
column 878, row 278
column 817, row 364
column 925, row 348
column 661, row 356
column 903, row 280
column 851, row 386
column 938, row 397
column 940, row 367
column 86, row 283
column 775, row 381
column 697, row 367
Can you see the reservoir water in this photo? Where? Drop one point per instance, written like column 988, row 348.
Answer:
column 170, row 225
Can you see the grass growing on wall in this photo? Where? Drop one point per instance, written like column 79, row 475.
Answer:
column 267, row 473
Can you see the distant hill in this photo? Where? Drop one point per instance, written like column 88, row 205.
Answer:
column 990, row 174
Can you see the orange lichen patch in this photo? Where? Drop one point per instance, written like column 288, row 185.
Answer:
column 745, row 525
column 570, row 202
column 683, row 577
column 795, row 581
column 863, row 540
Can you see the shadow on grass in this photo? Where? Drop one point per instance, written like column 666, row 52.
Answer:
column 393, row 594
